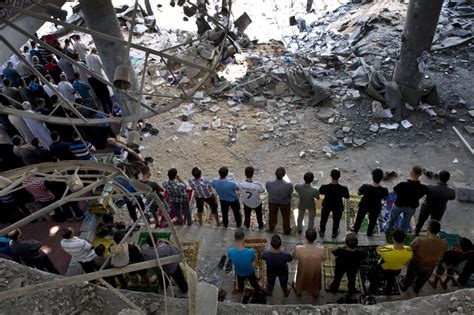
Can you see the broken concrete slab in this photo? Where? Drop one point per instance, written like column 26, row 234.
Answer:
column 216, row 123
column 465, row 194
column 305, row 85
column 242, row 22
column 185, row 127
column 451, row 42
column 258, row 101
column 359, row 142
column 206, row 50
column 324, row 113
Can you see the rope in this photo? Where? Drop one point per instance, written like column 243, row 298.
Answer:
column 192, row 280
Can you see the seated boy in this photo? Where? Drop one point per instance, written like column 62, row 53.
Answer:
column 450, row 262
column 277, row 265
column 392, row 259
column 243, row 258
column 348, row 259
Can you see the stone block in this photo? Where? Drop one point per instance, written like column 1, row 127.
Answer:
column 465, row 194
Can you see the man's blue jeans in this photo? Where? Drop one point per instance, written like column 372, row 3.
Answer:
column 407, row 215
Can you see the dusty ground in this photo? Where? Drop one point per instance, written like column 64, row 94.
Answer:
column 430, row 143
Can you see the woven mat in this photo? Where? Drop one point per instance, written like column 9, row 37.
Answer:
column 258, row 245
column 329, row 266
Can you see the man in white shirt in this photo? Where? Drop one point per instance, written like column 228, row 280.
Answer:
column 66, row 89
column 94, row 63
column 250, row 192
column 79, row 47
column 79, row 249
column 38, row 128
column 46, row 87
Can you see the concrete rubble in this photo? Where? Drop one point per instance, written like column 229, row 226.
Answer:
column 340, row 64
column 89, row 298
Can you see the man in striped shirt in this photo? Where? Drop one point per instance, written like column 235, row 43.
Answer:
column 43, row 195
column 202, row 188
column 178, row 196
column 81, row 150
column 79, row 249
column 38, row 190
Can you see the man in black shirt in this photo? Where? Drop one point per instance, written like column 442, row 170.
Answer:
column 348, row 259
column 436, row 201
column 333, row 195
column 371, row 202
column 450, row 262
column 60, row 150
column 146, row 175
column 409, row 194
column 8, row 159
column 30, row 252
column 277, row 265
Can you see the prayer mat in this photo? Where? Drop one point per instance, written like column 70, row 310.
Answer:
column 144, row 287
column 452, row 238
column 351, row 214
column 384, row 218
column 329, row 266
column 368, row 265
column 106, row 241
column 158, row 235
column 259, row 246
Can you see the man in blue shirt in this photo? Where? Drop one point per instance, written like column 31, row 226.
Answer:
column 228, row 194
column 11, row 74
column 243, row 258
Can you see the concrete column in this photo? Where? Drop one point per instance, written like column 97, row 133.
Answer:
column 100, row 16
column 420, row 26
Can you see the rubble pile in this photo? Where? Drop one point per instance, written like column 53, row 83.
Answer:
column 342, row 65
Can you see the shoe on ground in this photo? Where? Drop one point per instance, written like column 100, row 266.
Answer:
column 415, row 289
column 321, row 234
column 403, row 288
column 294, row 288
column 228, row 266
column 221, row 264
column 334, row 235
column 433, row 284
column 300, row 231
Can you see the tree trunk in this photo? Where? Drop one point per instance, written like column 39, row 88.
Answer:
column 100, row 16
column 420, row 26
